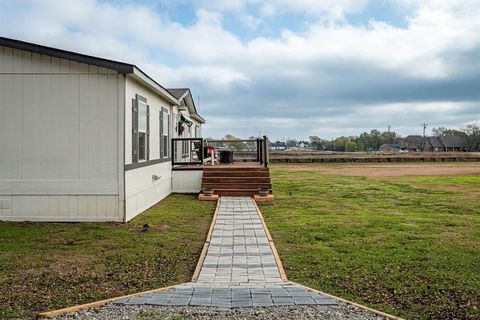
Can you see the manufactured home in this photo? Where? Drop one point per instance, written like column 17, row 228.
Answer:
column 87, row 139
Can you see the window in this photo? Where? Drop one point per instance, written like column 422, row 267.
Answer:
column 164, row 133
column 175, row 125
column 197, row 131
column 140, row 130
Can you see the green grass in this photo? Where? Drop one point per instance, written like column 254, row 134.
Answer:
column 46, row 266
column 409, row 246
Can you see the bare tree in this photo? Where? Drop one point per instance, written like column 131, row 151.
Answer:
column 473, row 134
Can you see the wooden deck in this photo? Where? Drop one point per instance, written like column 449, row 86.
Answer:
column 240, row 164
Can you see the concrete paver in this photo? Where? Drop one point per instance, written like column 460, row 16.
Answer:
column 239, row 269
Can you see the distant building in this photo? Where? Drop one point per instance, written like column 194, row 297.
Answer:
column 303, row 144
column 413, row 143
column 447, row 143
column 278, row 145
column 390, row 147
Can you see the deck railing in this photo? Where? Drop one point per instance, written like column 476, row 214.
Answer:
column 254, row 150
column 193, row 151
column 187, row 151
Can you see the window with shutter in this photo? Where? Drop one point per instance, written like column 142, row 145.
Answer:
column 143, row 127
column 134, row 131
column 165, row 133
column 160, row 136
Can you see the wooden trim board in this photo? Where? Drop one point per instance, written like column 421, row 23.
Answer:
column 96, row 304
column 283, row 275
column 198, row 268
column 361, row 306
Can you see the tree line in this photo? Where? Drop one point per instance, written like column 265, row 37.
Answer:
column 371, row 141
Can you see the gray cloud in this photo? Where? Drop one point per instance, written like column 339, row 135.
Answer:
column 332, row 79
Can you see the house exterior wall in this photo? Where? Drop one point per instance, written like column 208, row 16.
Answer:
column 60, row 141
column 187, row 181
column 142, row 189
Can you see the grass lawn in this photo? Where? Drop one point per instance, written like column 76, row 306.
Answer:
column 46, row 266
column 407, row 245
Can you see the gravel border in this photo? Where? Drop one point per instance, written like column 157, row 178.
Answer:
column 110, row 311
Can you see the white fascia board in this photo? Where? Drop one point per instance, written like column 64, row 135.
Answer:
column 141, row 76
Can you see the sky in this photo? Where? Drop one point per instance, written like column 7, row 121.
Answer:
column 284, row 68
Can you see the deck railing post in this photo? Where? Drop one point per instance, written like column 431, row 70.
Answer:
column 174, row 152
column 266, row 147
column 260, row 150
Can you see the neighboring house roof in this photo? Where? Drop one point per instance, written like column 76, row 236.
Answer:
column 412, row 142
column 278, row 144
column 121, row 67
column 454, row 141
column 185, row 93
column 436, row 142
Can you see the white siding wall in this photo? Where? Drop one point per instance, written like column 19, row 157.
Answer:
column 187, row 181
column 59, row 139
column 141, row 190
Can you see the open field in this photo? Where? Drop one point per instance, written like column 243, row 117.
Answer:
column 303, row 156
column 47, row 266
column 390, row 170
column 404, row 239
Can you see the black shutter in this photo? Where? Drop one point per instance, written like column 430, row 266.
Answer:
column 134, row 131
column 161, row 133
column 168, row 136
column 148, row 133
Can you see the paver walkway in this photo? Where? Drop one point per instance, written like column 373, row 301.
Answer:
column 239, row 269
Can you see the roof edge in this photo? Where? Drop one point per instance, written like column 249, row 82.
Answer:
column 65, row 54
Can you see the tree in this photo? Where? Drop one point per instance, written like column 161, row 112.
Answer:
column 442, row 131
column 316, row 143
column 350, row 146
column 473, row 135
column 233, row 144
column 291, row 143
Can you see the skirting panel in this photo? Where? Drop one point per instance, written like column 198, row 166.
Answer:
column 71, row 208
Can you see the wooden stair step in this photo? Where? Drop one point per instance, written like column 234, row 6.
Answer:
column 234, row 174
column 236, row 192
column 256, row 186
column 227, row 168
column 236, row 179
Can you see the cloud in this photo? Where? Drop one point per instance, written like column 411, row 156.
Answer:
column 331, row 77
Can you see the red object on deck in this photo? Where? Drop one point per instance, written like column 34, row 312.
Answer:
column 210, row 150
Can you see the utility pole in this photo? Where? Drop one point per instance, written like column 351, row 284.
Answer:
column 424, row 139
column 388, row 137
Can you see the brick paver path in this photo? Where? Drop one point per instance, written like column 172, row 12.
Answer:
column 239, row 269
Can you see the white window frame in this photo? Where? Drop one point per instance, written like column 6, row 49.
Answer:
column 165, row 136
column 144, row 131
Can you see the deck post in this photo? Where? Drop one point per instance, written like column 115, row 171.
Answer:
column 265, row 151
column 260, row 150
column 173, row 151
